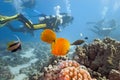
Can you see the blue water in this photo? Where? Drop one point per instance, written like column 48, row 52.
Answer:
column 36, row 54
column 83, row 11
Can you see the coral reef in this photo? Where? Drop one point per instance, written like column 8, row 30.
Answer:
column 100, row 59
column 66, row 70
column 29, row 61
column 114, row 75
column 101, row 56
column 5, row 73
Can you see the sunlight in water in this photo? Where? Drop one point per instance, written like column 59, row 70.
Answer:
column 68, row 6
column 18, row 5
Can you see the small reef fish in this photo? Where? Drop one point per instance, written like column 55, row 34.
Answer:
column 14, row 45
column 48, row 36
column 59, row 46
column 78, row 42
column 86, row 38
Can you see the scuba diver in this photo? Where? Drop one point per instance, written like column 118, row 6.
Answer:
column 28, row 26
column 55, row 21
column 103, row 28
column 99, row 23
column 47, row 22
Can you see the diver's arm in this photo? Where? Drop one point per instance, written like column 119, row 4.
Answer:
column 55, row 22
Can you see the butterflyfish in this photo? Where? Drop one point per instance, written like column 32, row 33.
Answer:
column 60, row 47
column 48, row 36
column 14, row 46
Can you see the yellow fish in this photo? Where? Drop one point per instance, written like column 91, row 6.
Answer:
column 59, row 46
column 48, row 36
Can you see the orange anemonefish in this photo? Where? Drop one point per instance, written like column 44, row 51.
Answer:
column 59, row 46
column 14, row 45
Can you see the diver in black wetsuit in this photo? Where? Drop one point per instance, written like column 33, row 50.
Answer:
column 28, row 27
column 47, row 22
column 101, row 29
column 55, row 21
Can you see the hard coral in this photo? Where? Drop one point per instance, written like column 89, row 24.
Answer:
column 71, row 70
column 66, row 70
column 101, row 56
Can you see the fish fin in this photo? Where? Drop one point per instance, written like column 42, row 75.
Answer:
column 17, row 38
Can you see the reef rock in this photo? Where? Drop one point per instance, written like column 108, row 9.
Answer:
column 114, row 75
column 66, row 70
column 101, row 56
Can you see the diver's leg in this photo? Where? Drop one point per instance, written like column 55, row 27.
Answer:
column 6, row 19
column 97, row 27
column 95, row 31
column 26, row 22
column 39, row 26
